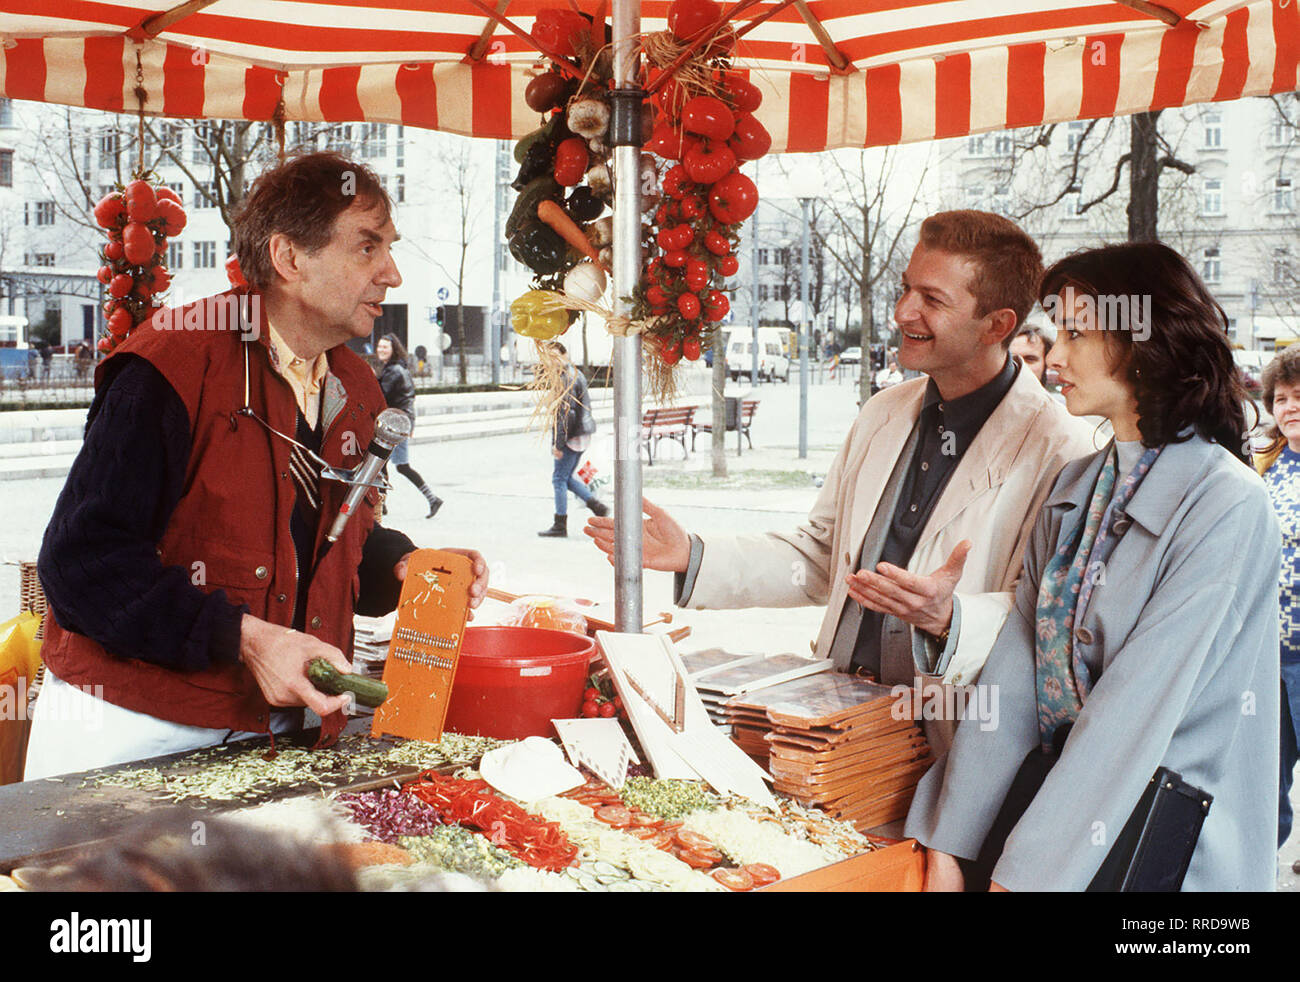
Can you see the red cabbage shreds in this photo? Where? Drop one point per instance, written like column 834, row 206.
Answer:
column 388, row 814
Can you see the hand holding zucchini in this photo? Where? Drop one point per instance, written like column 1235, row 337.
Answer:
column 369, row 692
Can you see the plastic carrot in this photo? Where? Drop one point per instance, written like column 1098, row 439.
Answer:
column 558, row 219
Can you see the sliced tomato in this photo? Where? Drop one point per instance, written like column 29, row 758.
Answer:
column 615, row 815
column 694, row 841
column 734, row 879
column 762, row 874
column 644, row 820
column 695, row 860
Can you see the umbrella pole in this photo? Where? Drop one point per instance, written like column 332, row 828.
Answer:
column 626, row 130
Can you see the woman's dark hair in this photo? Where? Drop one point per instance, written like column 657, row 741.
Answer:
column 1168, row 333
column 301, row 198
column 399, row 350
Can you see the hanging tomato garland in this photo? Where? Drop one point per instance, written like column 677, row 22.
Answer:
column 704, row 131
column 138, row 220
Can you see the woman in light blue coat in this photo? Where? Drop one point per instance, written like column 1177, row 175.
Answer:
column 1145, row 628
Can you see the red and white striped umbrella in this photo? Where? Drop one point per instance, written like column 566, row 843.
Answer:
column 836, row 73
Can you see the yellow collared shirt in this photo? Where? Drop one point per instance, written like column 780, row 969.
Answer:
column 305, row 378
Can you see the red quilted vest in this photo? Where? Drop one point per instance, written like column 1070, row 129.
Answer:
column 234, row 511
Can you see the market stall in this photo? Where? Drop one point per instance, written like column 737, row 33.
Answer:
column 807, row 76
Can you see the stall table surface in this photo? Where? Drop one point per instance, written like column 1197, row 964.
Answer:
column 43, row 820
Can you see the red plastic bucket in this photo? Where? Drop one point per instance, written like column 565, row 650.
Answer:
column 512, row 681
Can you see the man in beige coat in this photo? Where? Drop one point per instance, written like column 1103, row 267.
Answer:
column 915, row 542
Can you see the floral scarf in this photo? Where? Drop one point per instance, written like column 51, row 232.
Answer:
column 1064, row 680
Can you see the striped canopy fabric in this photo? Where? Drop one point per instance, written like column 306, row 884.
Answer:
column 835, row 73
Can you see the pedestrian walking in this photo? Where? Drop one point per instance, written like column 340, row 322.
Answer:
column 399, row 392
column 574, row 425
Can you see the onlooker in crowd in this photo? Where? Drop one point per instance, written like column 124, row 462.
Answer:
column 1145, row 619
column 574, row 424
column 399, row 392
column 84, row 359
column 889, row 375
column 1030, row 346
column 915, row 541
column 1280, row 465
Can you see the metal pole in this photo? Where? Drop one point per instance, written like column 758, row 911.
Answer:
column 753, row 376
column 495, row 325
column 805, row 331
column 626, row 130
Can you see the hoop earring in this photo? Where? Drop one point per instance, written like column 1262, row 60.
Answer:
column 1094, row 435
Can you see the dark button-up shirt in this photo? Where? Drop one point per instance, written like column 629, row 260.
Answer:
column 946, row 430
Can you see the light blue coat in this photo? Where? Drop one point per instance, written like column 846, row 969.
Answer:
column 1183, row 628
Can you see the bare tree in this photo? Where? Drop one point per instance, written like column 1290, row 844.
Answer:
column 865, row 236
column 465, row 217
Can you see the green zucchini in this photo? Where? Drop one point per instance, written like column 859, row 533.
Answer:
column 327, row 678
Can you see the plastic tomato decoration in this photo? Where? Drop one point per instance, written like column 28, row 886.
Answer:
column 717, row 243
column 691, row 349
column 708, row 162
column 687, row 18
column 110, row 211
column 137, row 243
column 675, row 259
column 120, row 322
column 141, row 202
column 120, row 285
column 733, row 199
column 716, row 306
column 670, row 351
column 570, row 161
column 688, row 305
column 751, row 139
column 745, row 95
column 708, row 116
column 728, row 265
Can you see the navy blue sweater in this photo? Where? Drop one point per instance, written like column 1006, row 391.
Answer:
column 97, row 563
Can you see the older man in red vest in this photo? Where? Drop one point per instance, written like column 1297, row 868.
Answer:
column 187, row 565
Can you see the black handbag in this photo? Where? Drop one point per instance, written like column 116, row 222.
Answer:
column 1153, row 850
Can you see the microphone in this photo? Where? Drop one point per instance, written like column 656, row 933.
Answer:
column 392, row 426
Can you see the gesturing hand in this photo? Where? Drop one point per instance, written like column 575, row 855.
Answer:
column 925, row 602
column 664, row 544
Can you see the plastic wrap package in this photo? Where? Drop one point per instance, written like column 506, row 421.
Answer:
column 548, row 613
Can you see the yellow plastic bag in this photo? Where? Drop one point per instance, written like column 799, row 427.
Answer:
column 20, row 658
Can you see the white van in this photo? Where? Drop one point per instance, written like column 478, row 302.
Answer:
column 773, row 363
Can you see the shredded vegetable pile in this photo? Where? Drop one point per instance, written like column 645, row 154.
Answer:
column 458, row 850
column 389, row 814
column 472, row 802
column 233, row 774
column 668, row 798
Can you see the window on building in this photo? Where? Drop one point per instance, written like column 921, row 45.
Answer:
column 1282, row 198
column 173, row 137
column 205, row 255
column 1074, row 204
column 45, row 213
column 43, row 259
column 374, row 140
column 1003, row 144
column 86, row 147
column 975, row 144
column 785, row 291
column 1211, row 267
column 6, row 113
column 205, row 195
column 204, row 133
column 1213, row 120
column 175, row 255
column 1074, row 133
column 1001, row 199
column 399, row 157
column 1281, row 131
column 399, row 193
column 1212, row 196
column 108, row 148
column 763, row 292
column 762, row 257
column 1281, row 265
column 6, row 168
column 975, row 196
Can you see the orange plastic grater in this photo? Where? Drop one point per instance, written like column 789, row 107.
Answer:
column 425, row 649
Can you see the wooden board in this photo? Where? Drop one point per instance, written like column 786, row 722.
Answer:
column 895, row 869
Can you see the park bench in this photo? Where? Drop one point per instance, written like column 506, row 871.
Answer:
column 658, row 424
column 740, row 423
